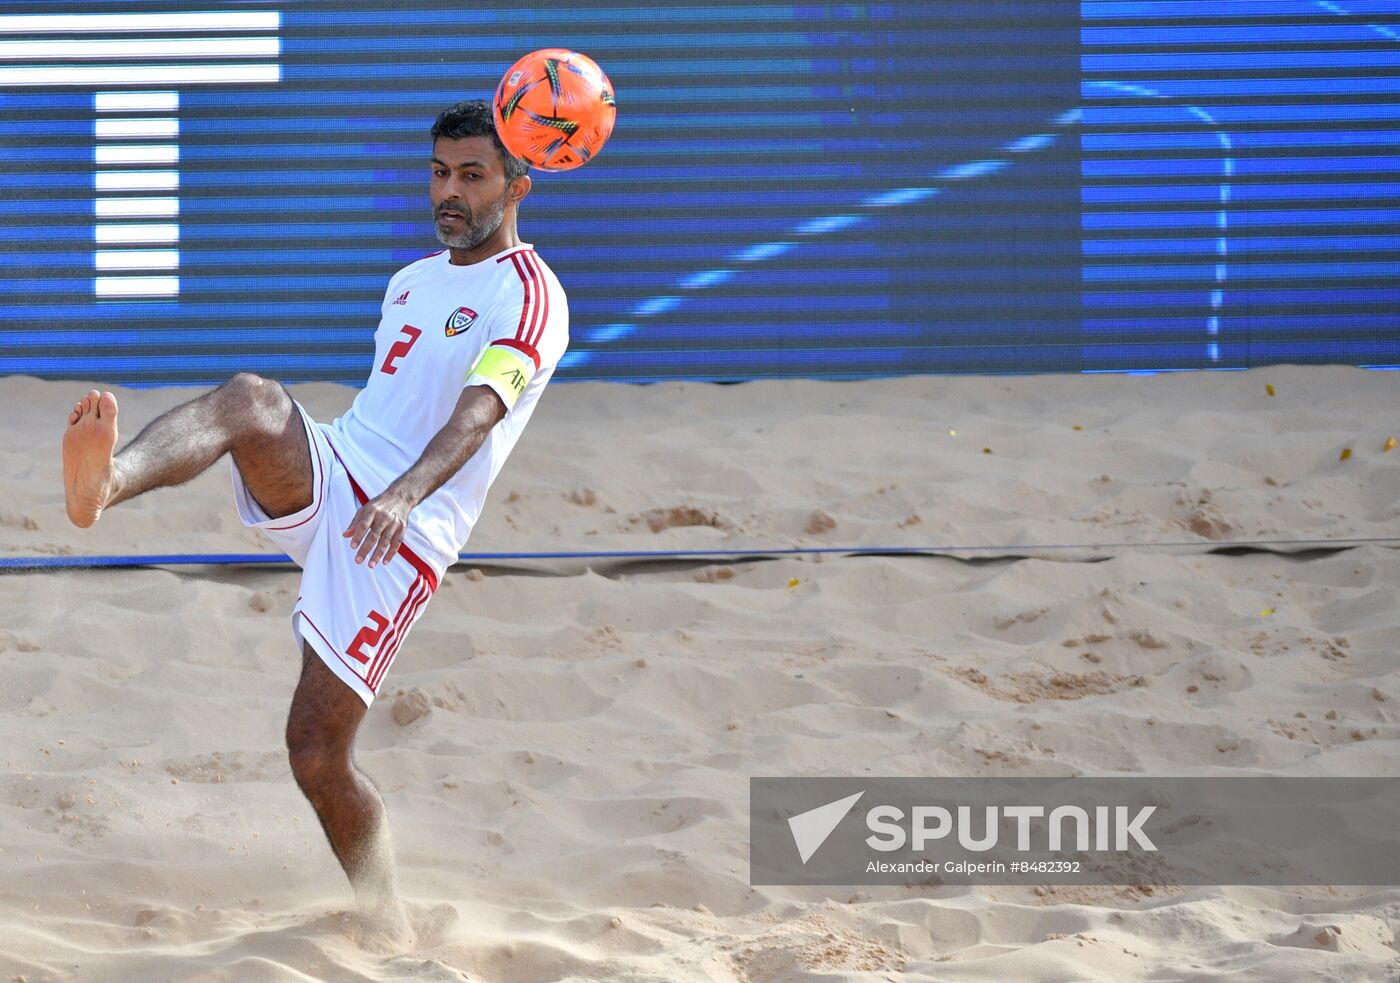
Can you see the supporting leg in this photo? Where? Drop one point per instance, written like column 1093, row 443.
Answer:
column 321, row 728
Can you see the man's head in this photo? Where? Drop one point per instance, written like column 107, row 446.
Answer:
column 477, row 183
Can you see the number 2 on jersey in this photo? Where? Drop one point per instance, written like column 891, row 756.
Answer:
column 400, row 348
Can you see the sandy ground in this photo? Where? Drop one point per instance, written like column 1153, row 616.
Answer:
column 565, row 747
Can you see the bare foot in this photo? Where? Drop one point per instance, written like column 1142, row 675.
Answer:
column 87, row 457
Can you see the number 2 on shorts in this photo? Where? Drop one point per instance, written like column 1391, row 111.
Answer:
column 369, row 635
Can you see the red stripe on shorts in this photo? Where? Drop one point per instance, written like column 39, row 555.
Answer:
column 416, row 590
column 333, row 648
column 419, row 564
column 393, row 625
column 375, row 679
column 320, row 501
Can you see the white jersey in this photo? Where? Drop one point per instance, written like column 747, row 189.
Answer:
column 502, row 322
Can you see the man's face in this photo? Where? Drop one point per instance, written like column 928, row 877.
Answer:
column 468, row 191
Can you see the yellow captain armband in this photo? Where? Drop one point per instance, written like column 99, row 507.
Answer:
column 504, row 371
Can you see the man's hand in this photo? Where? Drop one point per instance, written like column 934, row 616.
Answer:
column 377, row 529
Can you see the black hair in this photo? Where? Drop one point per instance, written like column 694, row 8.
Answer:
column 473, row 118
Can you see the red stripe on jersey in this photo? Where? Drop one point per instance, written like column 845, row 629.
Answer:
column 534, row 311
column 532, row 297
column 378, row 675
column 541, row 297
column 520, row 346
column 527, row 310
column 423, row 569
column 543, row 293
column 522, row 332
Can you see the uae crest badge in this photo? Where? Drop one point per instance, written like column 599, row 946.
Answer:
column 462, row 319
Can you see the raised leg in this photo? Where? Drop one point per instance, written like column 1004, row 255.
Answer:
column 321, row 728
column 252, row 418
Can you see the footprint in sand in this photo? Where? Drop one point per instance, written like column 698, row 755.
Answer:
column 681, row 515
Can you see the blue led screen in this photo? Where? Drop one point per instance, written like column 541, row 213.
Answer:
column 842, row 190
column 1241, row 182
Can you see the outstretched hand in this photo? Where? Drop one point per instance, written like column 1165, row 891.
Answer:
column 378, row 527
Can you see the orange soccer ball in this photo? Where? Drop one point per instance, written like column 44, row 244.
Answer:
column 555, row 108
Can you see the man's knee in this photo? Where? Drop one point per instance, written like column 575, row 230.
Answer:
column 314, row 760
column 261, row 398
column 321, row 724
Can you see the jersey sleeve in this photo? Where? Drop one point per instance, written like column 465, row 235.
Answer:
column 528, row 332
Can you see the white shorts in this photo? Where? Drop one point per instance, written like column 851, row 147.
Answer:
column 355, row 618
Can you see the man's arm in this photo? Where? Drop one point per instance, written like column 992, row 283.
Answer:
column 378, row 527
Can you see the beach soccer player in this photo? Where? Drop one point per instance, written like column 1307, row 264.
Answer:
column 375, row 506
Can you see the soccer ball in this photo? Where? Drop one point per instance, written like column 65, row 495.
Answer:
column 555, row 108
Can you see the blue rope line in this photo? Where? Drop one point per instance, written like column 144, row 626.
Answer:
column 215, row 559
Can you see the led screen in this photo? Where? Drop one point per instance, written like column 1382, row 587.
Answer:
column 843, row 191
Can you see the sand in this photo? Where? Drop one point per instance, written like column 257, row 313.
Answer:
column 565, row 746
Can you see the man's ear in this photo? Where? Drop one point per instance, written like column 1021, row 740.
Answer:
column 518, row 189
